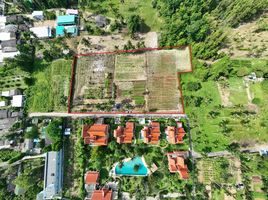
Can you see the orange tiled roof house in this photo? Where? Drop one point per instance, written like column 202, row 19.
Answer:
column 174, row 134
column 91, row 180
column 96, row 135
column 124, row 135
column 151, row 133
column 176, row 164
column 102, row 194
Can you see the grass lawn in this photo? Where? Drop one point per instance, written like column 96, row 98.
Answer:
column 238, row 95
column 51, row 88
column 143, row 8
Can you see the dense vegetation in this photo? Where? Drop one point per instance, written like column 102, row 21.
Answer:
column 202, row 23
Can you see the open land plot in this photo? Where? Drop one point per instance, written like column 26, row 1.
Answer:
column 220, row 170
column 139, row 81
column 163, row 82
column 51, row 88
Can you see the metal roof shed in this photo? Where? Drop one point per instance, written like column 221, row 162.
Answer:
column 64, row 20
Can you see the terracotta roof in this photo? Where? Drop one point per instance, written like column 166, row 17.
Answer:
column 91, row 177
column 151, row 133
column 103, row 194
column 124, row 135
column 175, row 135
column 96, row 134
column 176, row 164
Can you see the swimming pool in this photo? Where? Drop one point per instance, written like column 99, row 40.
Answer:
column 128, row 168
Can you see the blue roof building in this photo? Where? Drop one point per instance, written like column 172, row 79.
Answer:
column 73, row 30
column 65, row 20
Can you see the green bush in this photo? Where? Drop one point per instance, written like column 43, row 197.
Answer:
column 256, row 101
column 242, row 71
column 193, row 86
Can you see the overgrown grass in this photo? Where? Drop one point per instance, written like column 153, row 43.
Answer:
column 143, row 8
column 51, row 87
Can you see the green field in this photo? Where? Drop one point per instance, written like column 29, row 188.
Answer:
column 238, row 95
column 143, row 8
column 208, row 118
column 51, row 87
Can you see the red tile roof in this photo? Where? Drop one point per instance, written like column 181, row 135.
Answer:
column 96, row 134
column 175, row 135
column 124, row 135
column 151, row 133
column 176, row 164
column 91, row 177
column 103, row 194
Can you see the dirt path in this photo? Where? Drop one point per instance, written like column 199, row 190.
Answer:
column 250, row 97
column 225, row 94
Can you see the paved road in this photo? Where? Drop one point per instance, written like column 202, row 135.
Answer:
column 75, row 115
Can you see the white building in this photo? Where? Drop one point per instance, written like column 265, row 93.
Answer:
column 42, row 31
column 3, row 20
column 17, row 101
column 72, row 12
column 4, row 36
column 2, row 103
column 38, row 15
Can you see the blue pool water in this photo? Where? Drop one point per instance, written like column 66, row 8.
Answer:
column 128, row 168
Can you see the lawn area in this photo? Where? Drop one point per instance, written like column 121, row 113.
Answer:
column 238, row 95
column 143, row 8
column 51, row 87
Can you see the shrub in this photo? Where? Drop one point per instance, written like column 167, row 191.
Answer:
column 193, row 86
column 256, row 101
column 243, row 71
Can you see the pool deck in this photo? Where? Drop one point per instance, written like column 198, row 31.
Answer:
column 113, row 173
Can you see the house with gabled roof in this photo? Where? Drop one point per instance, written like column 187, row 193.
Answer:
column 174, row 134
column 102, row 194
column 176, row 163
column 96, row 135
column 151, row 133
column 124, row 134
column 91, row 180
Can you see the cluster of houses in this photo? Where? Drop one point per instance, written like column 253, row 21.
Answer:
column 8, row 38
column 16, row 97
column 98, row 134
column 65, row 24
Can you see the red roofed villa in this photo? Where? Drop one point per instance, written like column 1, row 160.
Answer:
column 176, row 164
column 175, row 135
column 96, row 135
column 91, row 180
column 124, row 135
column 102, row 194
column 151, row 133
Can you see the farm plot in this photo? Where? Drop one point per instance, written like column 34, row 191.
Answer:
column 93, row 79
column 140, row 81
column 12, row 80
column 220, row 170
column 163, row 84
